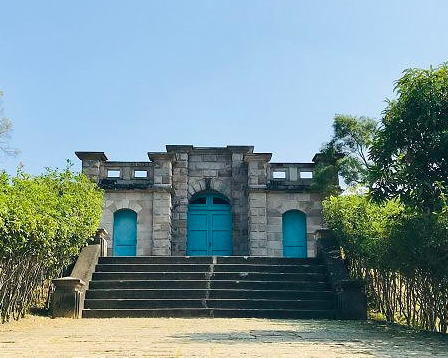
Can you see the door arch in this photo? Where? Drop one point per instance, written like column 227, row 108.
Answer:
column 125, row 233
column 209, row 225
column 294, row 234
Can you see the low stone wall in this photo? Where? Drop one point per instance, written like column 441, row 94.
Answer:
column 69, row 292
column 351, row 301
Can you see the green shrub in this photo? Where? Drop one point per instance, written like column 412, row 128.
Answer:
column 44, row 222
column 401, row 254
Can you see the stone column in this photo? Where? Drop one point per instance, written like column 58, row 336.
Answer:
column 91, row 164
column 180, row 198
column 161, row 217
column 257, row 211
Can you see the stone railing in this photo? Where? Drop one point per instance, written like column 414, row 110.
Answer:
column 284, row 175
column 69, row 292
column 126, row 175
column 351, row 302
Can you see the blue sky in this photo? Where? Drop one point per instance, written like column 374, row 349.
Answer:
column 127, row 77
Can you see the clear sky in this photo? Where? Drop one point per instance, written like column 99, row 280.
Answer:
column 127, row 77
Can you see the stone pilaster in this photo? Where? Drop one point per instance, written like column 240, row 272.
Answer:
column 180, row 198
column 257, row 224
column 162, row 169
column 92, row 163
column 161, row 205
column 257, row 211
column 257, row 164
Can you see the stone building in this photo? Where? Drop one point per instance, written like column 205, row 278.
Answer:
column 207, row 201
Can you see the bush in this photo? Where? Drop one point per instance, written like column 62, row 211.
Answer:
column 401, row 254
column 44, row 222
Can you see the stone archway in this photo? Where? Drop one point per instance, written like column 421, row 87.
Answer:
column 209, row 184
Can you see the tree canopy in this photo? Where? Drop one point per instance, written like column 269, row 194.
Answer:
column 346, row 154
column 410, row 150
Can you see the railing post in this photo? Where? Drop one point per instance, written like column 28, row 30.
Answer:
column 67, row 297
column 100, row 239
column 69, row 293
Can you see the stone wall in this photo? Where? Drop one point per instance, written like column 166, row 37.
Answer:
column 201, row 169
column 277, row 203
column 139, row 201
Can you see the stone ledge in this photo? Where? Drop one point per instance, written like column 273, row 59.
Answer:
column 91, row 156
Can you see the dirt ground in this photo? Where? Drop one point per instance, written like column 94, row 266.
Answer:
column 37, row 336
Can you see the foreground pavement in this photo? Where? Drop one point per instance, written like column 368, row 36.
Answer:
column 37, row 336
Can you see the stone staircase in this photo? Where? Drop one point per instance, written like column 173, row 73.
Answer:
column 228, row 286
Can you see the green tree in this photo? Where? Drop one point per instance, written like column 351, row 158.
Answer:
column 346, row 154
column 410, row 150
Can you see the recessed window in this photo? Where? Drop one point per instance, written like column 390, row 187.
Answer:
column 217, row 200
column 279, row 174
column 113, row 173
column 140, row 173
column 306, row 175
column 202, row 200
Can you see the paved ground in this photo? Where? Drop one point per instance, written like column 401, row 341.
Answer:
column 163, row 337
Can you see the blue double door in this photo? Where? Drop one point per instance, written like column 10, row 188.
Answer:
column 209, row 226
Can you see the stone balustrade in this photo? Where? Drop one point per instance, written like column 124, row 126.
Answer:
column 290, row 175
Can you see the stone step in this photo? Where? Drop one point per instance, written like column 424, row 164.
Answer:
column 206, row 260
column 300, row 268
column 248, row 276
column 270, row 285
column 120, row 260
column 207, row 312
column 260, row 260
column 303, row 268
column 208, row 303
column 209, row 287
column 146, row 293
column 192, row 267
column 144, row 284
column 215, row 284
column 213, row 293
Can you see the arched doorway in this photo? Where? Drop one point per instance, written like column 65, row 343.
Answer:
column 294, row 234
column 209, row 225
column 125, row 233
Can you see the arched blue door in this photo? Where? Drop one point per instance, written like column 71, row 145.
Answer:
column 125, row 233
column 294, row 234
column 209, row 226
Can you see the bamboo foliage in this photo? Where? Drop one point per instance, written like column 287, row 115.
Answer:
column 401, row 255
column 44, row 222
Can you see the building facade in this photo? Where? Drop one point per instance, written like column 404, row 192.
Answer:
column 207, row 201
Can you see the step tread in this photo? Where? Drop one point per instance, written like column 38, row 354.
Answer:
column 204, row 289
column 231, row 280
column 208, row 309
column 203, row 299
